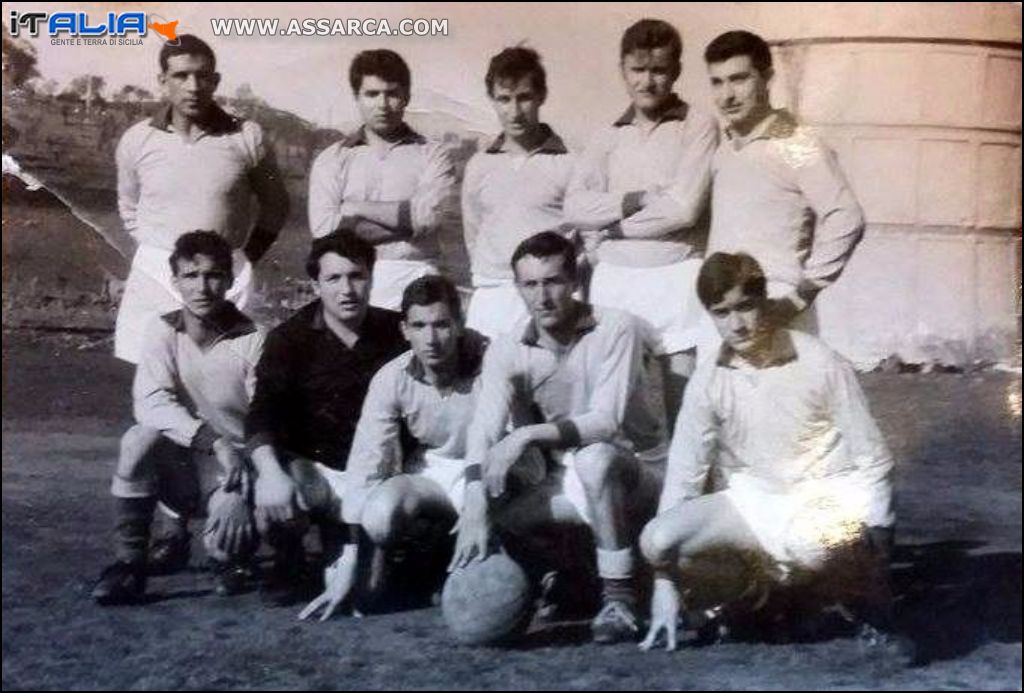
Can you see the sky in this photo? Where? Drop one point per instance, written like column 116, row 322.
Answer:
column 577, row 41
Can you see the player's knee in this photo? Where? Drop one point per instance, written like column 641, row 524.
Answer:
column 657, row 544
column 137, row 442
column 382, row 512
column 597, row 466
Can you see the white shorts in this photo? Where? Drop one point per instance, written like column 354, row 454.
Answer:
column 496, row 309
column 148, row 292
column 664, row 298
column 800, row 526
column 562, row 490
column 390, row 277
column 324, row 489
column 447, row 473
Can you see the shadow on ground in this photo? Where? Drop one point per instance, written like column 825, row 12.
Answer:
column 953, row 597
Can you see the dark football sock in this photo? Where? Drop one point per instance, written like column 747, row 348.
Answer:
column 619, row 590
column 132, row 526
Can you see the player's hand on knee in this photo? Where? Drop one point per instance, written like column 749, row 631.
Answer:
column 229, row 526
column 665, row 610
column 339, row 578
column 276, row 498
column 500, row 458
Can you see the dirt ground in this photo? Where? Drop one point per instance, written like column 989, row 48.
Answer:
column 957, row 569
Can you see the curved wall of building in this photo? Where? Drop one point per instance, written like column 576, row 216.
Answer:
column 929, row 133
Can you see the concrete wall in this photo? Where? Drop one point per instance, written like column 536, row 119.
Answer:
column 929, row 134
column 922, row 102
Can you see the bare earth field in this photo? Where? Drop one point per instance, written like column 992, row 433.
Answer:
column 957, row 570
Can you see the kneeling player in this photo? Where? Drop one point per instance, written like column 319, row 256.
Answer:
column 571, row 385
column 310, row 385
column 404, row 479
column 783, row 420
column 191, row 392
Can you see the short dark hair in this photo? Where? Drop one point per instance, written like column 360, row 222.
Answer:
column 382, row 63
column 206, row 243
column 187, row 44
column 547, row 244
column 648, row 34
column 340, row 242
column 733, row 43
column 512, row 64
column 722, row 272
column 433, row 288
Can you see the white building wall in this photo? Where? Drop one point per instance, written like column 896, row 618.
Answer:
column 929, row 134
column 922, row 102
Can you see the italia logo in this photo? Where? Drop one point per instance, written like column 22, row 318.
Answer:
column 79, row 24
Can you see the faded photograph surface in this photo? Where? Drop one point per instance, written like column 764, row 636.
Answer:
column 433, row 345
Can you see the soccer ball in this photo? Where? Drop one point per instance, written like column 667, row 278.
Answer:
column 488, row 602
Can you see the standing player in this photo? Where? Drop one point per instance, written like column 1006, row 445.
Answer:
column 783, row 421
column 310, row 386
column 404, row 480
column 191, row 166
column 191, row 394
column 513, row 189
column 571, row 384
column 642, row 187
column 778, row 194
column 385, row 182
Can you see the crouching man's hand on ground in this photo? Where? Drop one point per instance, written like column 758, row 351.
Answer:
column 665, row 609
column 339, row 578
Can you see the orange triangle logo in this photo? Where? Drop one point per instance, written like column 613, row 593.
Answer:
column 168, row 30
